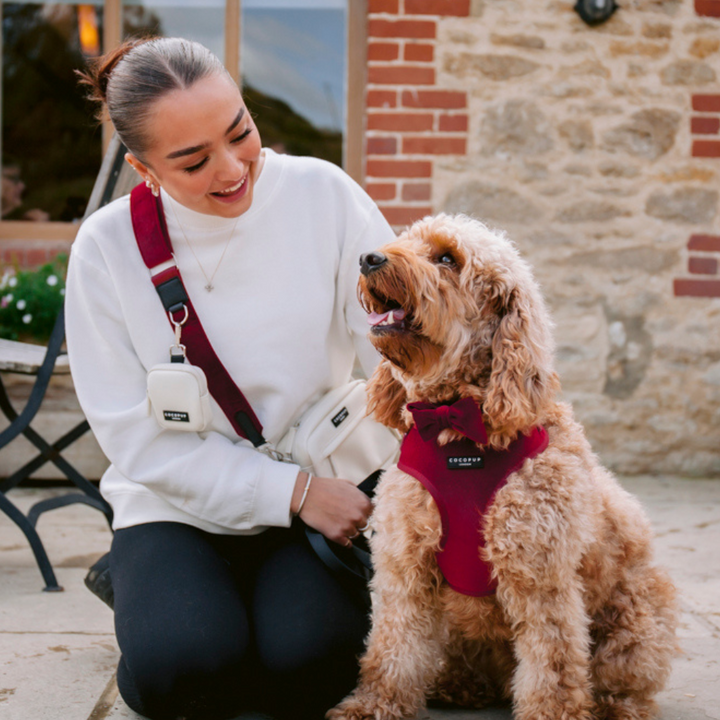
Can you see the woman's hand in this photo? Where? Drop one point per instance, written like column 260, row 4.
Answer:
column 333, row 507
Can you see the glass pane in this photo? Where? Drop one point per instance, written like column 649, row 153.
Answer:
column 293, row 60
column 201, row 20
column 51, row 145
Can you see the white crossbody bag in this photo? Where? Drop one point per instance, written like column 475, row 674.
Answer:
column 335, row 437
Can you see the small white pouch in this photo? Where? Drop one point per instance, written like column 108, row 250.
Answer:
column 178, row 397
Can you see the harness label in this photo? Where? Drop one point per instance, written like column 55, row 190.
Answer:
column 465, row 462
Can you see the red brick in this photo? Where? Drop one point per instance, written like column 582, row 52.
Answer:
column 381, row 146
column 384, row 6
column 706, row 148
column 35, row 257
column 13, row 256
column 434, row 145
column 402, row 28
column 704, row 243
column 399, row 168
column 696, row 288
column 453, row 123
column 381, row 98
column 443, row 99
column 416, row 192
column 706, row 103
column 401, row 75
column 404, row 215
column 399, row 122
column 381, row 191
column 708, row 8
column 705, row 125
column 459, row 8
column 383, row 51
column 703, row 266
column 417, row 52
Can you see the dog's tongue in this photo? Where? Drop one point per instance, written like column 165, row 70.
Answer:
column 386, row 318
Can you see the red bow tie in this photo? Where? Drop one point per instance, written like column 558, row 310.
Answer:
column 464, row 416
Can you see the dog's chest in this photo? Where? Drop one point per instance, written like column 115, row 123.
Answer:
column 463, row 481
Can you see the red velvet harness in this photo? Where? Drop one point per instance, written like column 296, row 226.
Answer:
column 462, row 480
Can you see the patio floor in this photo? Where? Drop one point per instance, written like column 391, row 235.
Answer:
column 58, row 652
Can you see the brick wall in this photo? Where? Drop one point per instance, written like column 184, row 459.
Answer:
column 703, row 250
column 411, row 121
column 31, row 253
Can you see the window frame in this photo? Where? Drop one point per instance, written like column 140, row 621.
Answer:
column 355, row 83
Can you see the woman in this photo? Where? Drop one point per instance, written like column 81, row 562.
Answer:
column 220, row 606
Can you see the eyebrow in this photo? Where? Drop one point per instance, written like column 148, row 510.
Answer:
column 197, row 148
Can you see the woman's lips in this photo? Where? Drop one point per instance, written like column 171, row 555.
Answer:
column 233, row 193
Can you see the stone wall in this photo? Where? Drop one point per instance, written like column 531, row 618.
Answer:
column 593, row 148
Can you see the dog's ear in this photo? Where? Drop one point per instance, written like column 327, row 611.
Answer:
column 522, row 380
column 387, row 398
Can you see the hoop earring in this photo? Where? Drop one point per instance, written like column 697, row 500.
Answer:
column 154, row 189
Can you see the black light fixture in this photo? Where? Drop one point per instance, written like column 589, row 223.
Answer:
column 594, row 12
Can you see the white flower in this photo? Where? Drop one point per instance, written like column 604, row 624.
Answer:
column 62, row 291
column 21, row 305
column 8, row 298
column 52, row 280
column 6, row 276
column 27, row 318
column 12, row 282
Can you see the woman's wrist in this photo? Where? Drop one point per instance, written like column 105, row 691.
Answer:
column 300, row 493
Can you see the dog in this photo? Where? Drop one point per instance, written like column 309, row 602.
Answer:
column 575, row 622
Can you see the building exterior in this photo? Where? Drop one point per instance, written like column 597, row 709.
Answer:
column 597, row 149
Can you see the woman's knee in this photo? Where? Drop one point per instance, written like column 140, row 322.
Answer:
column 194, row 677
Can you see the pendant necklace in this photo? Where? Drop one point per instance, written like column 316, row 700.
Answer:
column 208, row 280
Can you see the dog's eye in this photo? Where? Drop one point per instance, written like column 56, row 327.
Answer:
column 446, row 259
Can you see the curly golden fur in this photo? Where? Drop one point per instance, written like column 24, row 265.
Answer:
column 582, row 624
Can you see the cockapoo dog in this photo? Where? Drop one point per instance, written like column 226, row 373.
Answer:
column 575, row 621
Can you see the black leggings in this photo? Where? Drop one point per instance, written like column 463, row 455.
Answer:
column 210, row 626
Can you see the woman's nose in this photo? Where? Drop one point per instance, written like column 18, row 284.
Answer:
column 231, row 167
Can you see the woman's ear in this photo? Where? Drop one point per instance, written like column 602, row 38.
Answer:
column 522, row 380
column 387, row 398
column 140, row 168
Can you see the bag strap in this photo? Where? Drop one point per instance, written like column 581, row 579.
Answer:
column 153, row 240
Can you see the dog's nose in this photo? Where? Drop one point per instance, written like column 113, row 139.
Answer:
column 369, row 262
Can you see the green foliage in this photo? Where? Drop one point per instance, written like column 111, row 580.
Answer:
column 30, row 301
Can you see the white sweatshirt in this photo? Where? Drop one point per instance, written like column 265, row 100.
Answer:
column 283, row 318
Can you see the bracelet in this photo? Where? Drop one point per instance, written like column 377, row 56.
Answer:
column 304, row 495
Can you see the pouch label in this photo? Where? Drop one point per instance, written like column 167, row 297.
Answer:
column 340, row 417
column 176, row 416
column 464, row 462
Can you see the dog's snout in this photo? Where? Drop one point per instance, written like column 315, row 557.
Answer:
column 369, row 262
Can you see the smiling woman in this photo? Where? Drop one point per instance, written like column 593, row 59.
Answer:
column 221, row 604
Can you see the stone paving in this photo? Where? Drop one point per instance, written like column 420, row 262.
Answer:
column 58, row 650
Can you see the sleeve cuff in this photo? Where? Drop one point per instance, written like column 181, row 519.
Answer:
column 273, row 496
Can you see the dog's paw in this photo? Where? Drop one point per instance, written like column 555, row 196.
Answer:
column 364, row 707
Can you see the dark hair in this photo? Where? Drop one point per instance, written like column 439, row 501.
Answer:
column 130, row 78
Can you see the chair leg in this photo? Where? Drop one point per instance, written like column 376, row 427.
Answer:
column 43, row 562
column 62, row 501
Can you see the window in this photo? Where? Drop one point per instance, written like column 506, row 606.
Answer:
column 294, row 56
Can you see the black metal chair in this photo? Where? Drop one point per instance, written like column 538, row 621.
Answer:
column 115, row 179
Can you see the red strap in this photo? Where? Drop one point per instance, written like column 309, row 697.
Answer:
column 153, row 240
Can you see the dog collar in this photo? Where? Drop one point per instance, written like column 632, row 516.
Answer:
column 463, row 480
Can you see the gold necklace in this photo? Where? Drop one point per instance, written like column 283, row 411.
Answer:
column 208, row 280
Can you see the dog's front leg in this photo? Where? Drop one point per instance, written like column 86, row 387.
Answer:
column 552, row 648
column 404, row 646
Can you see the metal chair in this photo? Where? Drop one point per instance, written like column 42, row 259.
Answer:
column 115, row 179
